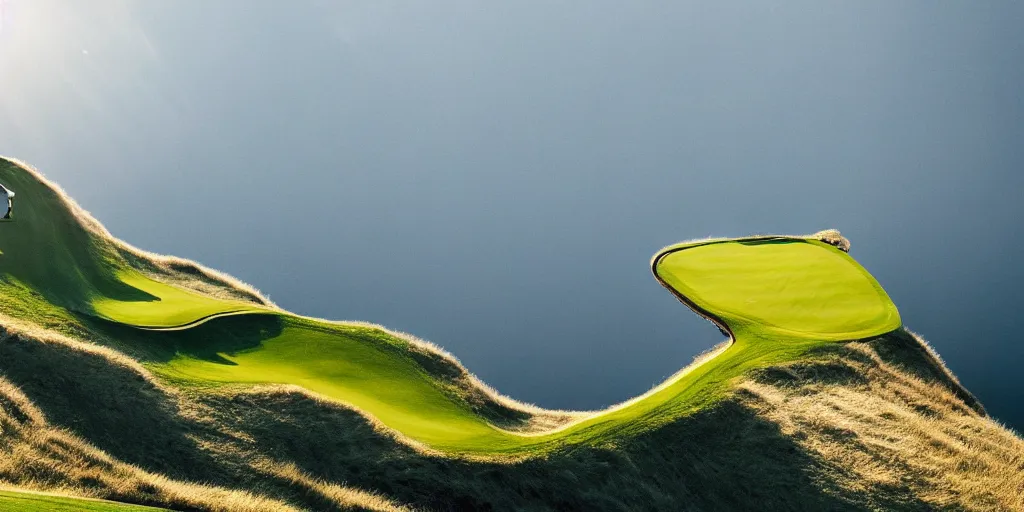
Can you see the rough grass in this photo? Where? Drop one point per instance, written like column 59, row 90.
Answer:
column 781, row 441
column 111, row 398
column 370, row 369
column 885, row 434
column 38, row 456
column 276, row 411
column 413, row 390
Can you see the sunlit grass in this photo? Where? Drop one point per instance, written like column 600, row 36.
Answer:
column 272, row 411
column 11, row 501
column 164, row 306
column 790, row 296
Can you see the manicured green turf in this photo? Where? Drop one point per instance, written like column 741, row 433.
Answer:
column 353, row 365
column 790, row 287
column 48, row 249
column 780, row 298
column 163, row 305
column 31, row 502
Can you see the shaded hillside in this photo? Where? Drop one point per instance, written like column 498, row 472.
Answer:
column 93, row 407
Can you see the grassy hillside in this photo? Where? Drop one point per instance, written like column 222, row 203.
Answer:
column 172, row 373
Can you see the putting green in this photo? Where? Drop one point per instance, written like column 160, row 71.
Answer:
column 793, row 287
column 780, row 297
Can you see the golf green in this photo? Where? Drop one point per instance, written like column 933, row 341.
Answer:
column 790, row 286
column 778, row 296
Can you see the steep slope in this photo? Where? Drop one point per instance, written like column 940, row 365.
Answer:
column 204, row 380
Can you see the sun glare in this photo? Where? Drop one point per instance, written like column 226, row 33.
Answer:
column 3, row 16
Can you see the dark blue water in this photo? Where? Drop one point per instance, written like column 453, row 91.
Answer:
column 495, row 178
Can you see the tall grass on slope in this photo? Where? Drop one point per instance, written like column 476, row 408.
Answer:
column 887, row 430
column 760, row 448
column 37, row 455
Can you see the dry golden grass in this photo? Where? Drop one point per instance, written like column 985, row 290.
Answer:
column 873, row 425
column 13, row 327
column 329, row 491
column 881, row 429
column 35, row 455
column 834, row 237
column 877, row 425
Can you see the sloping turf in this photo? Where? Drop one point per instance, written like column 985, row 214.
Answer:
column 796, row 288
column 31, row 502
column 164, row 306
column 72, row 263
column 779, row 297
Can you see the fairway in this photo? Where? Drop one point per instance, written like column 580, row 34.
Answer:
column 11, row 501
column 779, row 297
column 157, row 305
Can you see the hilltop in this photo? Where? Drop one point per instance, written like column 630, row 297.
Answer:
column 152, row 380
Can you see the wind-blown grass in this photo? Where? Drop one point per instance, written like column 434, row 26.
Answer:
column 362, row 368
column 380, row 374
column 37, row 455
column 155, row 385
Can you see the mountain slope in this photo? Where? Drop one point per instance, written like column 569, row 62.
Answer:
column 185, row 374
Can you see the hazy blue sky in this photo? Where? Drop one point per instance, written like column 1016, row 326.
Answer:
column 494, row 176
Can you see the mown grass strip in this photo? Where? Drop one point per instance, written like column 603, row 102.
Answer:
column 11, row 501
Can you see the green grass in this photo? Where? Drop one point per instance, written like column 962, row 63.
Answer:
column 743, row 429
column 794, row 288
column 163, row 305
column 11, row 501
column 779, row 297
column 72, row 263
column 50, row 250
column 350, row 365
